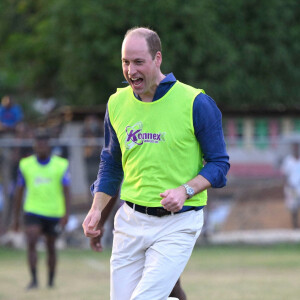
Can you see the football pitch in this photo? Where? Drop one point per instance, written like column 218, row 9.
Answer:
column 213, row 273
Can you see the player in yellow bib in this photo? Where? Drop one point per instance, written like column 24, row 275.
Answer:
column 46, row 179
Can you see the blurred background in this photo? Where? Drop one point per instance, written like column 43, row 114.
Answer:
column 61, row 59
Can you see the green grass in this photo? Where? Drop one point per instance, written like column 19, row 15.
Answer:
column 213, row 273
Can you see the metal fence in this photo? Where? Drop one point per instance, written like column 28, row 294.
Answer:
column 254, row 172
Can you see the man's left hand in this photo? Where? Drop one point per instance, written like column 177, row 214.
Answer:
column 173, row 200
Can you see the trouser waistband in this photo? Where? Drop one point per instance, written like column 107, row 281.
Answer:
column 153, row 211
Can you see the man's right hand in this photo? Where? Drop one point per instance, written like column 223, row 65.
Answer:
column 90, row 223
column 93, row 217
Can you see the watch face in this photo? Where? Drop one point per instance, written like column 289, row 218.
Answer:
column 190, row 191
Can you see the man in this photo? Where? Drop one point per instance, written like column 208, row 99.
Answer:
column 46, row 179
column 157, row 132
column 291, row 170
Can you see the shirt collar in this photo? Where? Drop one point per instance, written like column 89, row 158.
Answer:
column 169, row 78
column 43, row 161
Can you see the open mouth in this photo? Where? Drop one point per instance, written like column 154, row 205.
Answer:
column 136, row 82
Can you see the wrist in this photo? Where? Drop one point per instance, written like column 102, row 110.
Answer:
column 100, row 201
column 189, row 191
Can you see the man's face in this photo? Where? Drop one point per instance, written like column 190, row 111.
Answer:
column 6, row 101
column 42, row 148
column 139, row 69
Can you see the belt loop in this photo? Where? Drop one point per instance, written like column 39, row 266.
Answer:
column 133, row 207
column 172, row 213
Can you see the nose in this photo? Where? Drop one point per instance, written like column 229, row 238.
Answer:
column 131, row 70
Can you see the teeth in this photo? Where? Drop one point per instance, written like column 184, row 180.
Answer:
column 136, row 81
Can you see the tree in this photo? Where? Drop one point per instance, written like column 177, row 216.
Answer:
column 243, row 53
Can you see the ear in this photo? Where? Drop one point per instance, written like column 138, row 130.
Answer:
column 158, row 58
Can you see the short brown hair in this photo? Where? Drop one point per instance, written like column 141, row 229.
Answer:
column 151, row 37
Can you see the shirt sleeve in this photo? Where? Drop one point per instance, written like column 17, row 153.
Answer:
column 66, row 180
column 20, row 178
column 110, row 174
column 207, row 120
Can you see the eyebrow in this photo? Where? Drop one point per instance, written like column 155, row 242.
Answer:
column 135, row 60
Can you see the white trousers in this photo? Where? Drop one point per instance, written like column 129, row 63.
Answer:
column 149, row 253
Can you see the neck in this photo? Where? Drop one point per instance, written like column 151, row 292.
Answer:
column 149, row 97
column 43, row 157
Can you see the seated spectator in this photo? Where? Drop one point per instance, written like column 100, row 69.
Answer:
column 10, row 114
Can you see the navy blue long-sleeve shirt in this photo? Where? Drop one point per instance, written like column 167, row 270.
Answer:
column 207, row 121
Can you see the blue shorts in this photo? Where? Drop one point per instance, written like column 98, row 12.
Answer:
column 49, row 226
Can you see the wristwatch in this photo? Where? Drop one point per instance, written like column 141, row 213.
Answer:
column 189, row 190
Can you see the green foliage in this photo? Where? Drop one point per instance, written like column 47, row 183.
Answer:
column 243, row 53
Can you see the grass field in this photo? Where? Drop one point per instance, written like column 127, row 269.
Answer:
column 213, row 273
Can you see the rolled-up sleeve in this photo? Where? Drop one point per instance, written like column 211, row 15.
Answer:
column 110, row 172
column 207, row 120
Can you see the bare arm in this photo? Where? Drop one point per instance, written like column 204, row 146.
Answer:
column 107, row 210
column 93, row 217
column 95, row 242
column 67, row 196
column 17, row 207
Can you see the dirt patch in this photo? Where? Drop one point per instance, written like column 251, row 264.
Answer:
column 256, row 203
column 258, row 214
